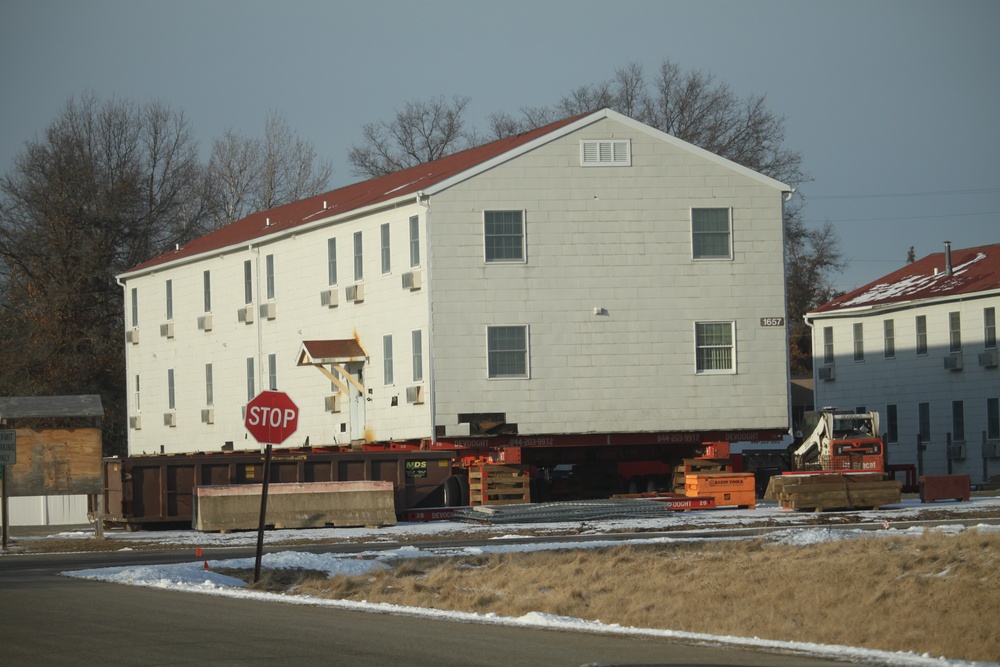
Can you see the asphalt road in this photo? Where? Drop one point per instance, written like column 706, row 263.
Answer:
column 47, row 619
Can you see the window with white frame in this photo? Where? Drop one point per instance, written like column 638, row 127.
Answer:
column 272, row 372
column 248, row 282
column 359, row 266
column 414, row 241
column 387, row 359
column 269, row 273
column 990, row 328
column 135, row 307
column 386, row 255
column 955, row 332
column 889, row 339
column 828, row 357
column 206, row 282
column 921, row 326
column 251, row 389
column 859, row 341
column 606, row 152
column 209, row 386
column 170, row 299
column 507, row 351
column 138, row 405
column 711, row 233
column 714, row 347
column 417, row 345
column 892, row 424
column 331, row 261
column 957, row 421
column 171, row 402
column 503, row 233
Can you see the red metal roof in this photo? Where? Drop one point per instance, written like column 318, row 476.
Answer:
column 350, row 198
column 973, row 270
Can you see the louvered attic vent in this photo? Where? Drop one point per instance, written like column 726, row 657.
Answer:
column 606, row 153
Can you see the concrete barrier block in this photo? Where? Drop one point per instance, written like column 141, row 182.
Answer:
column 295, row 505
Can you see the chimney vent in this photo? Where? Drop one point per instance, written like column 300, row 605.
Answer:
column 947, row 258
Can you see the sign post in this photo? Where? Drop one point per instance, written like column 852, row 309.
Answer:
column 271, row 417
column 8, row 456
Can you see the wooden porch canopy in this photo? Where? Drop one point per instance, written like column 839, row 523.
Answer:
column 336, row 353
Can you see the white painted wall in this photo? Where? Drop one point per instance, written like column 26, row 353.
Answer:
column 908, row 379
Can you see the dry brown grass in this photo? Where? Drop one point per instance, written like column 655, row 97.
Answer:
column 936, row 594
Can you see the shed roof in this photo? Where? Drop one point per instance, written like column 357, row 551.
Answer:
column 24, row 407
column 974, row 270
column 330, row 351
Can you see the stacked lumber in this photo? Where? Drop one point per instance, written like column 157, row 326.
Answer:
column 826, row 491
column 498, row 485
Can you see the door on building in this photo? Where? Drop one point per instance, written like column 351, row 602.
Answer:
column 358, row 400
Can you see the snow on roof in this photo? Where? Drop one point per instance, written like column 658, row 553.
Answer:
column 973, row 270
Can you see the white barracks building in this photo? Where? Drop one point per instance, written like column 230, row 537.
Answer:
column 594, row 276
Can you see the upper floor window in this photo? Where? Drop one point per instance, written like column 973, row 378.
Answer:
column 248, row 281
column 207, row 288
column 504, row 236
column 921, row 325
column 711, row 233
column 272, row 372
column 359, row 266
column 828, row 345
column 714, row 349
column 859, row 341
column 170, row 299
column 606, row 152
column 889, row 338
column 251, row 389
column 417, row 344
column 955, row 332
column 171, row 403
column 135, row 306
column 990, row 328
column 385, row 254
column 269, row 272
column 414, row 241
column 507, row 351
column 331, row 261
column 209, row 386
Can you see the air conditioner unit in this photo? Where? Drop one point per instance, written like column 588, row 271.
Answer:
column 956, row 451
column 332, row 403
column 828, row 373
column 355, row 293
column 245, row 314
column 988, row 359
column 135, row 422
column 991, row 450
column 167, row 330
column 208, row 416
column 953, row 362
column 415, row 394
column 412, row 280
column 268, row 310
column 132, row 335
column 328, row 298
column 205, row 322
column 170, row 418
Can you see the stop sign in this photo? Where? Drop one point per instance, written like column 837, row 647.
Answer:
column 271, row 417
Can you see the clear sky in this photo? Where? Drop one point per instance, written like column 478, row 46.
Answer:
column 894, row 104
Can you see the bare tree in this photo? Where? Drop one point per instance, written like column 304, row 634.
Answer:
column 250, row 174
column 108, row 185
column 421, row 132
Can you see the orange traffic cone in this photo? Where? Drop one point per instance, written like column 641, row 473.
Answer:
column 206, row 565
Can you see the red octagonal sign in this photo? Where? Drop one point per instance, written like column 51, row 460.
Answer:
column 272, row 417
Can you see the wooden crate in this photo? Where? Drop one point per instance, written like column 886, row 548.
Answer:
column 727, row 488
column 689, row 466
column 944, row 487
column 498, row 485
column 833, row 491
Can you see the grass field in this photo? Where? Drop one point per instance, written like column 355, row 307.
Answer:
column 936, row 593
